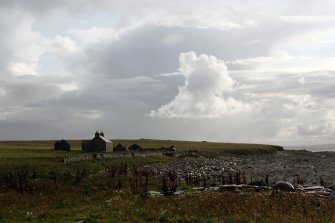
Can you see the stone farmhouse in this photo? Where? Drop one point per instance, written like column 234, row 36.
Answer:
column 98, row 144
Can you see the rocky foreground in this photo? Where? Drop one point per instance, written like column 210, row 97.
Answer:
column 301, row 168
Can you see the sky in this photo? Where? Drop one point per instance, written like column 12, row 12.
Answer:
column 260, row 71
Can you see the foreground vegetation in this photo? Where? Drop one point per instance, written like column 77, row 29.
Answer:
column 36, row 186
column 107, row 205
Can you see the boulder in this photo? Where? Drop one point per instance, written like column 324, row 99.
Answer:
column 283, row 186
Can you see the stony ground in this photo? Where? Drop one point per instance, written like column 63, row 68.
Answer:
column 297, row 167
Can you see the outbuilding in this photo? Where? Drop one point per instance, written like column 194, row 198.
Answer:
column 120, row 148
column 62, row 145
column 135, row 148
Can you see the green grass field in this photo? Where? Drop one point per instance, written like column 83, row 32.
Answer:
column 36, row 186
column 44, row 148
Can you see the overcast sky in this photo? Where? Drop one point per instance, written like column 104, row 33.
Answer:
column 260, row 71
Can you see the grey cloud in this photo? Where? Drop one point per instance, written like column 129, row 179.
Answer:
column 119, row 83
column 230, row 7
column 142, row 52
column 28, row 90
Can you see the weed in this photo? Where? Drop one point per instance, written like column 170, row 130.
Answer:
column 169, row 183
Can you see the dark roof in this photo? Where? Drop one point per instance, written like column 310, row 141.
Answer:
column 120, row 147
column 99, row 135
column 135, row 147
column 104, row 139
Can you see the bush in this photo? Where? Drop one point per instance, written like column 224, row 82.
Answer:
column 257, row 183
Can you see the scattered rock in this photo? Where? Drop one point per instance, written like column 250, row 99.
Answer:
column 155, row 193
column 179, row 192
column 213, row 189
column 198, row 188
column 298, row 167
column 233, row 187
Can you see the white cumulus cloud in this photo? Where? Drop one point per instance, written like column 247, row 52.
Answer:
column 202, row 95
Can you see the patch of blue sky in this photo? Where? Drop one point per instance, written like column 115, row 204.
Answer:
column 60, row 22
column 50, row 65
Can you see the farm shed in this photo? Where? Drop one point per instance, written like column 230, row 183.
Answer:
column 62, row 145
column 98, row 144
column 120, row 148
column 135, row 147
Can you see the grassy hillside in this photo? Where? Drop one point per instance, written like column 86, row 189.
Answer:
column 203, row 146
column 14, row 154
column 43, row 148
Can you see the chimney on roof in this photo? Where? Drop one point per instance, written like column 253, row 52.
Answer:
column 97, row 134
